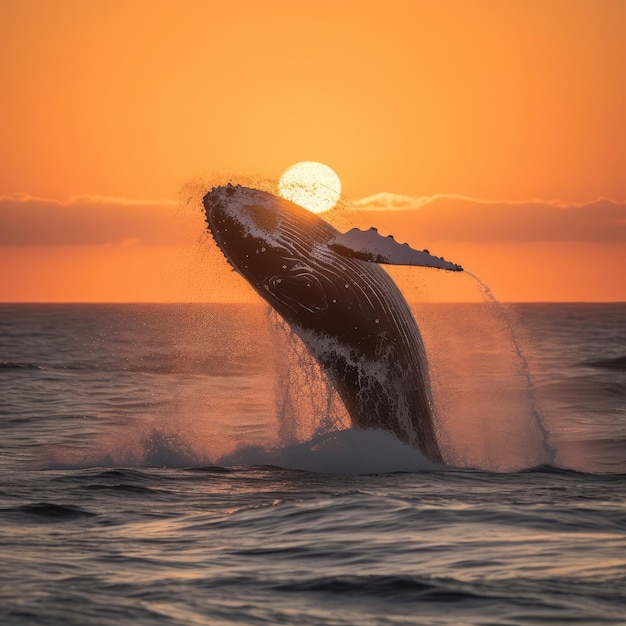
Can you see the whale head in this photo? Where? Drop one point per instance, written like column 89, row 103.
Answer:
column 271, row 241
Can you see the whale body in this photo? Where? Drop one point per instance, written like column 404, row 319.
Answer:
column 348, row 311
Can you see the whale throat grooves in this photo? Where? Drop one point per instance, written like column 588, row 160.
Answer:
column 349, row 313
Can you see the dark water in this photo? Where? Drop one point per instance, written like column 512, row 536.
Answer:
column 168, row 464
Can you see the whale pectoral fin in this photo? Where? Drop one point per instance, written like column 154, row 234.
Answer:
column 369, row 245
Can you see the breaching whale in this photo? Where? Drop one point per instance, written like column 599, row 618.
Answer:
column 345, row 308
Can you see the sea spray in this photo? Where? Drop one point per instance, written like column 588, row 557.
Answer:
column 314, row 432
column 484, row 414
column 524, row 368
column 307, row 405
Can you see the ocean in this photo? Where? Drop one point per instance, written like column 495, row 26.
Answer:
column 189, row 464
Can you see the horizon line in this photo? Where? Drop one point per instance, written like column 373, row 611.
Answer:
column 244, row 302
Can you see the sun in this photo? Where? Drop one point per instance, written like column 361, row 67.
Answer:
column 312, row 185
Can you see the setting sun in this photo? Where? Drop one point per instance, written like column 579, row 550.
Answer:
column 313, row 185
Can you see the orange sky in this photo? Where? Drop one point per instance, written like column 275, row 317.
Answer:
column 110, row 107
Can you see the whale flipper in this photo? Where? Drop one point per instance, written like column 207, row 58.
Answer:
column 370, row 245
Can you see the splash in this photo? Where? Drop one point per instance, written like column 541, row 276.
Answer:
column 307, row 404
column 524, row 369
column 350, row 451
column 497, row 433
column 484, row 398
column 486, row 413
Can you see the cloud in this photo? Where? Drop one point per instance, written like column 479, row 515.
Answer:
column 98, row 220
column 392, row 201
column 467, row 219
column 92, row 220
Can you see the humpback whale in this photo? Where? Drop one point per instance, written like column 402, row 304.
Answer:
column 346, row 309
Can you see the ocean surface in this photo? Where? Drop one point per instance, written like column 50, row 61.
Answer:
column 188, row 464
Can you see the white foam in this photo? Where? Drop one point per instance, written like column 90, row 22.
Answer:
column 351, row 451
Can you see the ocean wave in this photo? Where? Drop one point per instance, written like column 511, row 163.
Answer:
column 616, row 363
column 389, row 587
column 10, row 365
column 47, row 511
